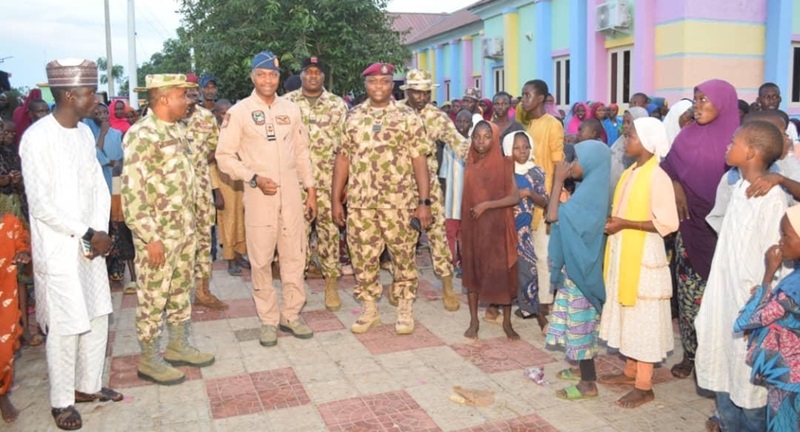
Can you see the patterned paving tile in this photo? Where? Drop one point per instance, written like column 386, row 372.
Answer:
column 232, row 396
column 320, row 321
column 124, row 375
column 279, row 388
column 384, row 340
column 238, row 308
column 615, row 363
column 500, row 355
column 528, row 423
column 129, row 301
column 390, row 411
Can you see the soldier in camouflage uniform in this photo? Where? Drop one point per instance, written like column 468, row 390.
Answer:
column 323, row 115
column 438, row 128
column 383, row 155
column 202, row 133
column 158, row 200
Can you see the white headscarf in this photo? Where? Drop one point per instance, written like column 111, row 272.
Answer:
column 508, row 147
column 672, row 119
column 653, row 135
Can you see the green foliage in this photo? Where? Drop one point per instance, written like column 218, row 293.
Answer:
column 117, row 71
column 174, row 57
column 347, row 34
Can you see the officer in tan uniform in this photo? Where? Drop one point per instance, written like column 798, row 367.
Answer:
column 323, row 114
column 264, row 143
column 383, row 155
column 438, row 127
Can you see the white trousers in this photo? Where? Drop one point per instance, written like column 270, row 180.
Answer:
column 76, row 362
column 541, row 240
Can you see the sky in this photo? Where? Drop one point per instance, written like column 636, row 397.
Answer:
column 37, row 31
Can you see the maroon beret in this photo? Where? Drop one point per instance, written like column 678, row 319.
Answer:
column 379, row 69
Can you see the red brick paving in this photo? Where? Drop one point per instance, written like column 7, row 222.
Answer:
column 124, row 373
column 279, row 388
column 500, row 355
column 382, row 412
column 384, row 340
column 528, row 423
column 232, row 396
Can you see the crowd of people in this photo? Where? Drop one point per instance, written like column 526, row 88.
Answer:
column 591, row 222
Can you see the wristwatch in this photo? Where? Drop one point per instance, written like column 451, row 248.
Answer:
column 426, row 202
column 253, row 183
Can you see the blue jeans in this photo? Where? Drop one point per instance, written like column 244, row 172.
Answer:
column 736, row 419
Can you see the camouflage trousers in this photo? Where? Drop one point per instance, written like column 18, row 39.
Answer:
column 437, row 234
column 202, row 264
column 327, row 235
column 166, row 289
column 368, row 231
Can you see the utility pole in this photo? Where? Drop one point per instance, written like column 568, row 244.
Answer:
column 109, row 61
column 132, row 68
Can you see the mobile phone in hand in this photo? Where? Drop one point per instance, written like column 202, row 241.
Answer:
column 415, row 223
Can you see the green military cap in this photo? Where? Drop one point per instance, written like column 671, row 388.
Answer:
column 157, row 81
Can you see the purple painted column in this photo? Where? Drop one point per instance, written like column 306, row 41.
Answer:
column 596, row 57
column 644, row 50
column 466, row 55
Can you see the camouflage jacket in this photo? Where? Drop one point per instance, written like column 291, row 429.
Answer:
column 158, row 181
column 380, row 145
column 439, row 127
column 325, row 122
column 202, row 133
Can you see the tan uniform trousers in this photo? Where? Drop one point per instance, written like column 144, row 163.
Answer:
column 288, row 235
column 231, row 219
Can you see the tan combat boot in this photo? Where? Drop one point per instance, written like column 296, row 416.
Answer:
column 203, row 296
column 448, row 295
column 369, row 317
column 405, row 317
column 390, row 295
column 180, row 353
column 153, row 368
column 332, row 300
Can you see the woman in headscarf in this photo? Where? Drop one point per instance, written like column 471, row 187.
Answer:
column 21, row 116
column 580, row 112
column 577, row 242
column 487, row 109
column 636, row 319
column 118, row 115
column 696, row 163
column 530, row 184
column 489, row 255
column 619, row 160
column 675, row 119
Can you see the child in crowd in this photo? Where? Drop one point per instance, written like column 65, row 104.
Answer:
column 749, row 227
column 612, row 124
column 452, row 170
column 487, row 229
column 592, row 129
column 530, row 183
column 580, row 112
column 771, row 321
column 637, row 318
column 577, row 241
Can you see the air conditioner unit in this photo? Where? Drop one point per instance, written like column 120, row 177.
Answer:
column 613, row 15
column 493, row 48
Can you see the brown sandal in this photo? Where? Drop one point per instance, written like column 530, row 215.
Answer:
column 67, row 418
column 104, row 395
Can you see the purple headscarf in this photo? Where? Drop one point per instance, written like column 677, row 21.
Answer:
column 697, row 162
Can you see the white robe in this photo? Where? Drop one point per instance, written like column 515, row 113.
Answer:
column 67, row 194
column 748, row 229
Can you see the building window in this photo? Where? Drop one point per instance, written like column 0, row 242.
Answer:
column 499, row 79
column 795, row 76
column 446, row 90
column 619, row 74
column 561, row 89
column 478, row 83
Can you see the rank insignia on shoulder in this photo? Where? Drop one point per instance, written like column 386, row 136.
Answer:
column 259, row 118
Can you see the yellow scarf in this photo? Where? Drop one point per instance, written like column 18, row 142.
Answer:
column 638, row 210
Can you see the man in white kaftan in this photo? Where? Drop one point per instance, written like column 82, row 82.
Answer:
column 69, row 202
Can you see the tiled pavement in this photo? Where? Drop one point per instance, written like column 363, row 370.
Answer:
column 338, row 381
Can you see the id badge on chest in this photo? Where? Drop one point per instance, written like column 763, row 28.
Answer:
column 271, row 132
column 376, row 127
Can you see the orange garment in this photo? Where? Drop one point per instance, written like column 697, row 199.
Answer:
column 13, row 239
column 642, row 372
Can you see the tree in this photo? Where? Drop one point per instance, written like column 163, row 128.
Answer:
column 347, row 34
column 174, row 57
column 116, row 71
